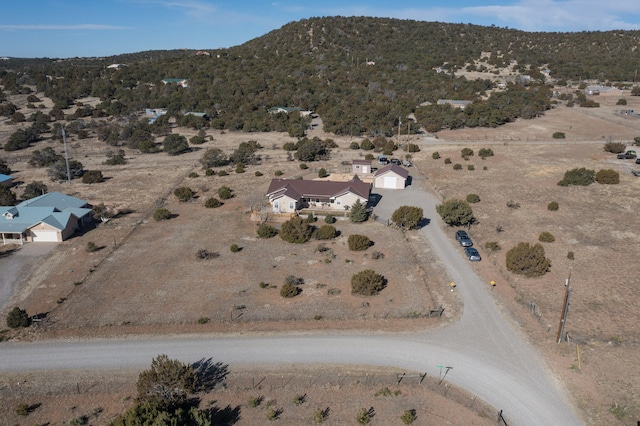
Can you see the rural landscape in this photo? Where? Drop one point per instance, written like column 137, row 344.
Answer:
column 177, row 154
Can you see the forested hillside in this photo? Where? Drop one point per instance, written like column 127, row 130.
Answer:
column 361, row 75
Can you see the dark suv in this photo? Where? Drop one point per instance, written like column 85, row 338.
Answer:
column 463, row 239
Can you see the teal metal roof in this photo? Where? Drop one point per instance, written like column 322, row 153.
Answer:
column 4, row 178
column 55, row 209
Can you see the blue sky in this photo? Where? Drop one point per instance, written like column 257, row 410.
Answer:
column 69, row 28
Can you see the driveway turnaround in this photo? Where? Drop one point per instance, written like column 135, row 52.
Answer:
column 484, row 351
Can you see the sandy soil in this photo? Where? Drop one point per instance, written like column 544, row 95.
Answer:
column 146, row 279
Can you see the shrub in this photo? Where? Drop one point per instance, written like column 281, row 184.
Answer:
column 407, row 217
column 326, row 232
column 471, row 167
column 240, row 168
column 322, row 173
column 578, row 176
column 412, row 147
column 175, row 144
column 435, row 155
column 457, row 166
column 293, row 280
column 367, row 283
column 570, row 255
column 303, row 166
column 92, row 176
column 485, row 152
column 408, row 417
column 358, row 212
column 636, row 141
column 210, row 172
column 288, row 291
column 329, row 219
column 255, row 401
column 364, row 416
column 278, row 173
column 621, row 101
column 91, row 247
column 212, row 203
column 553, row 206
column 447, row 160
column 473, row 198
column 311, row 218
column 204, row 254
column 23, row 409
column 223, row 173
column 530, row 261
column 546, row 237
column 224, row 192
column 234, row 248
column 466, row 152
column 492, row 246
column 513, row 205
column 18, row 318
column 377, row 255
column 192, row 175
column 320, row 415
column 258, row 173
column 358, row 242
column 203, row 320
column 161, row 214
column 354, row 145
column 34, row 189
column 183, row 194
column 266, row 231
column 608, row 177
column 455, row 212
column 296, row 230
column 558, row 135
column 615, row 147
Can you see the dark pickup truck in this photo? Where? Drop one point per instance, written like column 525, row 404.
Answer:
column 629, row 155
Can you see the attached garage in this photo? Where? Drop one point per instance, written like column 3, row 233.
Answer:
column 391, row 177
column 43, row 236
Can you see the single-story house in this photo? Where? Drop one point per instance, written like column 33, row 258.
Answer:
column 288, row 110
column 52, row 217
column 291, row 195
column 390, row 177
column 454, row 103
column 598, row 90
column 361, row 167
column 6, row 180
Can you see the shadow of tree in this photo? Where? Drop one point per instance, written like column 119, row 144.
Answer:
column 225, row 416
column 209, row 374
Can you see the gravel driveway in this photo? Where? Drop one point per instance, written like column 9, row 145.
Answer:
column 17, row 266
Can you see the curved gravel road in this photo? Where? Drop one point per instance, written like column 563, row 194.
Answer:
column 488, row 355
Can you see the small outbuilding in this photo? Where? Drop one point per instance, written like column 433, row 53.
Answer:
column 391, row 177
column 359, row 167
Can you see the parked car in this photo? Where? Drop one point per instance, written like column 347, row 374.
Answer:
column 629, row 155
column 637, row 160
column 464, row 239
column 406, row 163
column 383, row 160
column 472, row 254
column 396, row 161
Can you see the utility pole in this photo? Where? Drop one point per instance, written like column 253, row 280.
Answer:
column 565, row 309
column 66, row 155
column 399, row 126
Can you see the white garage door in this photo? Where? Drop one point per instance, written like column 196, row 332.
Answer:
column 389, row 182
column 44, row 236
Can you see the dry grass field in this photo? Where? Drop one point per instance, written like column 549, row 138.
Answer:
column 146, row 279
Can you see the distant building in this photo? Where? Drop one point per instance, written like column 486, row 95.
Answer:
column 179, row 81
column 288, row 110
column 116, row 66
column 454, row 103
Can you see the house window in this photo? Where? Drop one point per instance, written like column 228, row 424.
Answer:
column 275, row 205
column 338, row 201
column 291, row 205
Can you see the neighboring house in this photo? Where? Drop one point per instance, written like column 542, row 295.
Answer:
column 454, row 103
column 51, row 217
column 390, row 177
column 6, row 180
column 116, row 66
column 361, row 167
column 288, row 110
column 597, row 90
column 197, row 114
column 179, row 81
column 291, row 195
column 155, row 113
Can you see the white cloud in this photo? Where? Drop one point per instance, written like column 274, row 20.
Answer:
column 47, row 27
